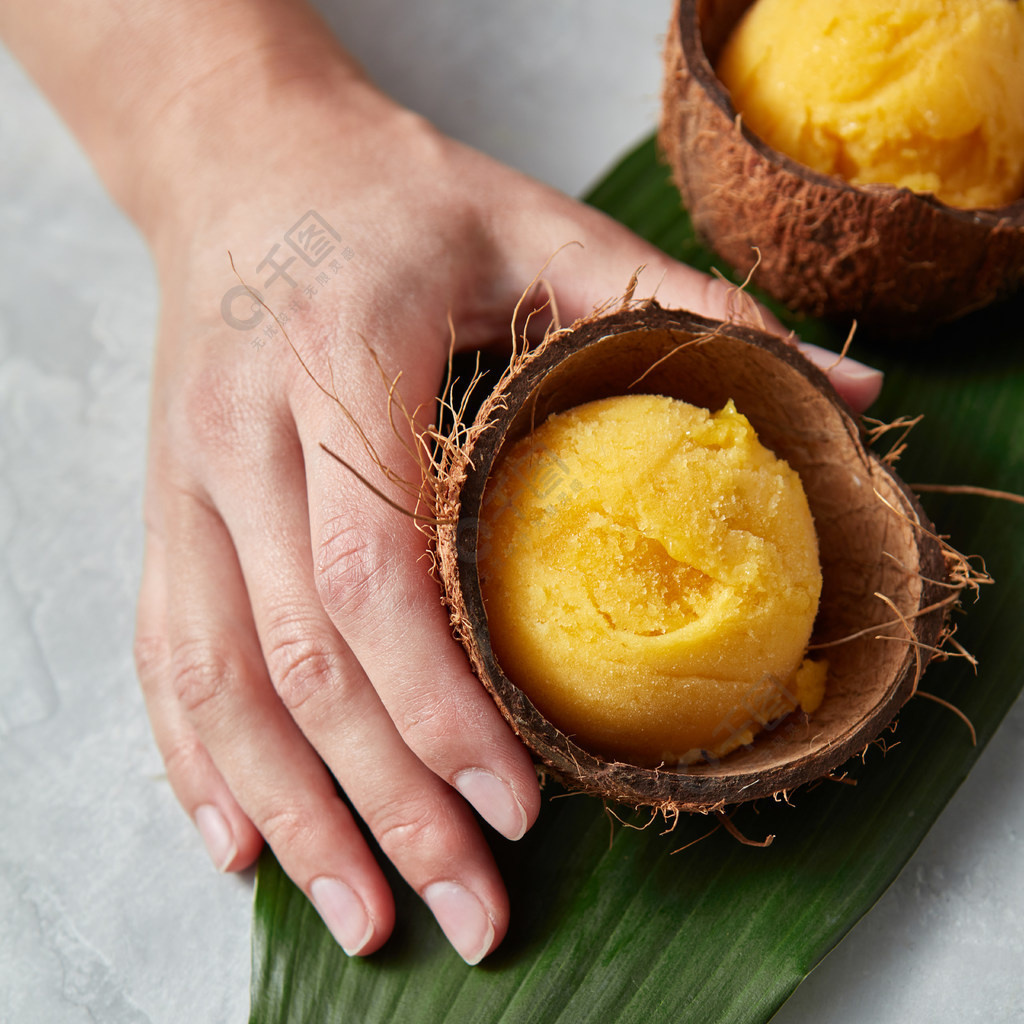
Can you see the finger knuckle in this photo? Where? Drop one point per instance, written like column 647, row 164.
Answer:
column 427, row 721
column 304, row 670
column 403, row 830
column 182, row 756
column 201, row 675
column 150, row 653
column 209, row 408
column 290, row 829
column 353, row 566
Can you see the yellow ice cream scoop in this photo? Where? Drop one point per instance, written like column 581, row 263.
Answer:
column 650, row 576
column 924, row 94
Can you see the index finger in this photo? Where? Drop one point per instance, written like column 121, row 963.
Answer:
column 373, row 580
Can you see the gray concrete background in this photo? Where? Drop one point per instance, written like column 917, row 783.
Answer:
column 109, row 909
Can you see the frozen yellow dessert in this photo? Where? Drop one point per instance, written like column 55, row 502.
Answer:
column 925, row 94
column 650, row 575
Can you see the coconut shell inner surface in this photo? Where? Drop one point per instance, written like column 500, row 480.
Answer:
column 873, row 539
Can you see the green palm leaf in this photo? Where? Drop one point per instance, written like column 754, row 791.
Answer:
column 608, row 923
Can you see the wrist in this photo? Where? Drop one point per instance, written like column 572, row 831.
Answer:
column 237, row 123
column 170, row 98
column 236, row 134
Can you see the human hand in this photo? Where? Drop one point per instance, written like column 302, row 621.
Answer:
column 290, row 640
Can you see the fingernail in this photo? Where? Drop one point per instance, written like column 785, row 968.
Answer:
column 343, row 913
column 853, row 370
column 462, row 919
column 833, row 363
column 860, row 385
column 856, row 381
column 217, row 835
column 494, row 801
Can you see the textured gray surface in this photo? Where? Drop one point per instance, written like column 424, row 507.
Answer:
column 110, row 911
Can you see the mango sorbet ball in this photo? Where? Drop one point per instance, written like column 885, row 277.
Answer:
column 925, row 94
column 650, row 575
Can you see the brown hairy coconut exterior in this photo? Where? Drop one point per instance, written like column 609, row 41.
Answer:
column 874, row 540
column 900, row 261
